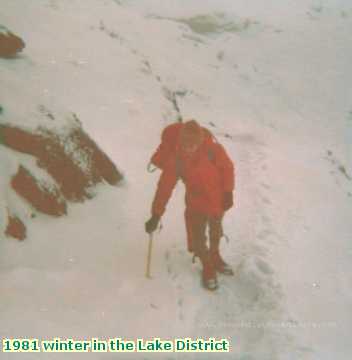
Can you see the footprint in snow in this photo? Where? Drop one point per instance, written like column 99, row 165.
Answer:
column 266, row 200
column 266, row 186
column 180, row 306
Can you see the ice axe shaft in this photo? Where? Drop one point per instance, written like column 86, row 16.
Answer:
column 149, row 256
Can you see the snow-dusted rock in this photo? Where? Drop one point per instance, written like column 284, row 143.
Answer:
column 15, row 228
column 10, row 44
column 72, row 159
column 42, row 198
column 52, row 161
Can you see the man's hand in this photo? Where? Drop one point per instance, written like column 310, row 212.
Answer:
column 228, row 200
column 152, row 224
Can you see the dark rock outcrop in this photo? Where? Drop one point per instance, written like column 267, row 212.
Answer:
column 43, row 199
column 73, row 179
column 15, row 228
column 73, row 164
column 10, row 44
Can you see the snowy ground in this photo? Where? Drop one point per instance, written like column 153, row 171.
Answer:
column 272, row 80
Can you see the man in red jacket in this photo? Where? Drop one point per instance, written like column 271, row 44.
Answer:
column 193, row 155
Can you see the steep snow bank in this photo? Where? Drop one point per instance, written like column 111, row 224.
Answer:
column 275, row 94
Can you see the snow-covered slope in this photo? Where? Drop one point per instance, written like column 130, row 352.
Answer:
column 272, row 81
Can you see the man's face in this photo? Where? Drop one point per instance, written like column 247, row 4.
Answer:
column 190, row 145
column 190, row 148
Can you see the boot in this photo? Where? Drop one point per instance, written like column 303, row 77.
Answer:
column 220, row 265
column 209, row 274
column 215, row 234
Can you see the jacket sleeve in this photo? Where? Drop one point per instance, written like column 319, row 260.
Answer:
column 226, row 167
column 166, row 184
column 167, row 145
column 160, row 154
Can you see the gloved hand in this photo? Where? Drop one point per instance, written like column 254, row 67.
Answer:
column 152, row 224
column 228, row 200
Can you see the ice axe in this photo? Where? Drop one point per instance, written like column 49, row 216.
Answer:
column 149, row 256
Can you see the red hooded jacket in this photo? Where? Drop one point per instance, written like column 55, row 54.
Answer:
column 207, row 174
